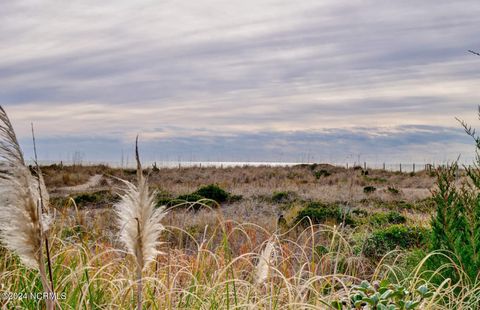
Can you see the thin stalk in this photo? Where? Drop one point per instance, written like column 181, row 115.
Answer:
column 43, row 275
column 139, row 269
column 41, row 211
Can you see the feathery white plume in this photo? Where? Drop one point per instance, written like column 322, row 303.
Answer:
column 139, row 223
column 266, row 259
column 22, row 223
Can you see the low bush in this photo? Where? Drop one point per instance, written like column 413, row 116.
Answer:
column 193, row 201
column 382, row 241
column 213, row 192
column 321, row 173
column 205, row 196
column 380, row 219
column 374, row 179
column 369, row 189
column 393, row 190
column 281, row 197
column 95, row 199
column 320, row 213
column 456, row 222
column 360, row 213
column 400, row 205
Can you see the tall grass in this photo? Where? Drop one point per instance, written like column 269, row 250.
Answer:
column 139, row 224
column 273, row 273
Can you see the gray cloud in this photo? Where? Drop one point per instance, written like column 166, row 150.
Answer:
column 393, row 145
column 212, row 70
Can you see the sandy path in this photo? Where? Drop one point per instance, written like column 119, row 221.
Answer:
column 92, row 182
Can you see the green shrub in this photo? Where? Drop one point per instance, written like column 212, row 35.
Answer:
column 280, row 197
column 59, row 202
column 360, row 213
column 369, row 189
column 374, row 179
column 393, row 190
column 86, row 198
column 400, row 205
column 95, row 199
column 395, row 218
column 206, row 194
column 321, row 213
column 456, row 223
column 186, row 201
column 190, row 197
column 213, row 192
column 195, row 201
column 382, row 241
column 321, row 173
column 380, row 219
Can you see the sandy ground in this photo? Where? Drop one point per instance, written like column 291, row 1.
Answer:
column 92, row 182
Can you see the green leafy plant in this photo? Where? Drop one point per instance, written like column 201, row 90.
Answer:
column 369, row 189
column 392, row 217
column 281, row 197
column 320, row 213
column 94, row 199
column 383, row 296
column 321, row 173
column 214, row 192
column 456, row 222
column 392, row 190
column 387, row 239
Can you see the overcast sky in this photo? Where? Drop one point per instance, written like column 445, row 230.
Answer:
column 242, row 80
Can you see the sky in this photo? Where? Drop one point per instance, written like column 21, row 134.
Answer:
column 251, row 80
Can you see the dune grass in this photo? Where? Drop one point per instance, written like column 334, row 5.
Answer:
column 311, row 271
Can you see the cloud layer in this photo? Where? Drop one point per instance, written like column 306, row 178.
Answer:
column 257, row 80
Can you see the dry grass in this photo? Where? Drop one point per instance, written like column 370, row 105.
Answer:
column 217, row 258
column 216, row 270
column 234, row 256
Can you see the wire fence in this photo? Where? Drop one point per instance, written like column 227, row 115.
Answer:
column 402, row 167
column 392, row 167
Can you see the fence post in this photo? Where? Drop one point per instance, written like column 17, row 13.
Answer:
column 365, row 165
column 400, row 168
column 383, row 166
column 413, row 168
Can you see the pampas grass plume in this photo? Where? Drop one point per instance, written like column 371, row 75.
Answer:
column 139, row 223
column 266, row 259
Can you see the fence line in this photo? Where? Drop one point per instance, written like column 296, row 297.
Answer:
column 392, row 167
column 401, row 167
